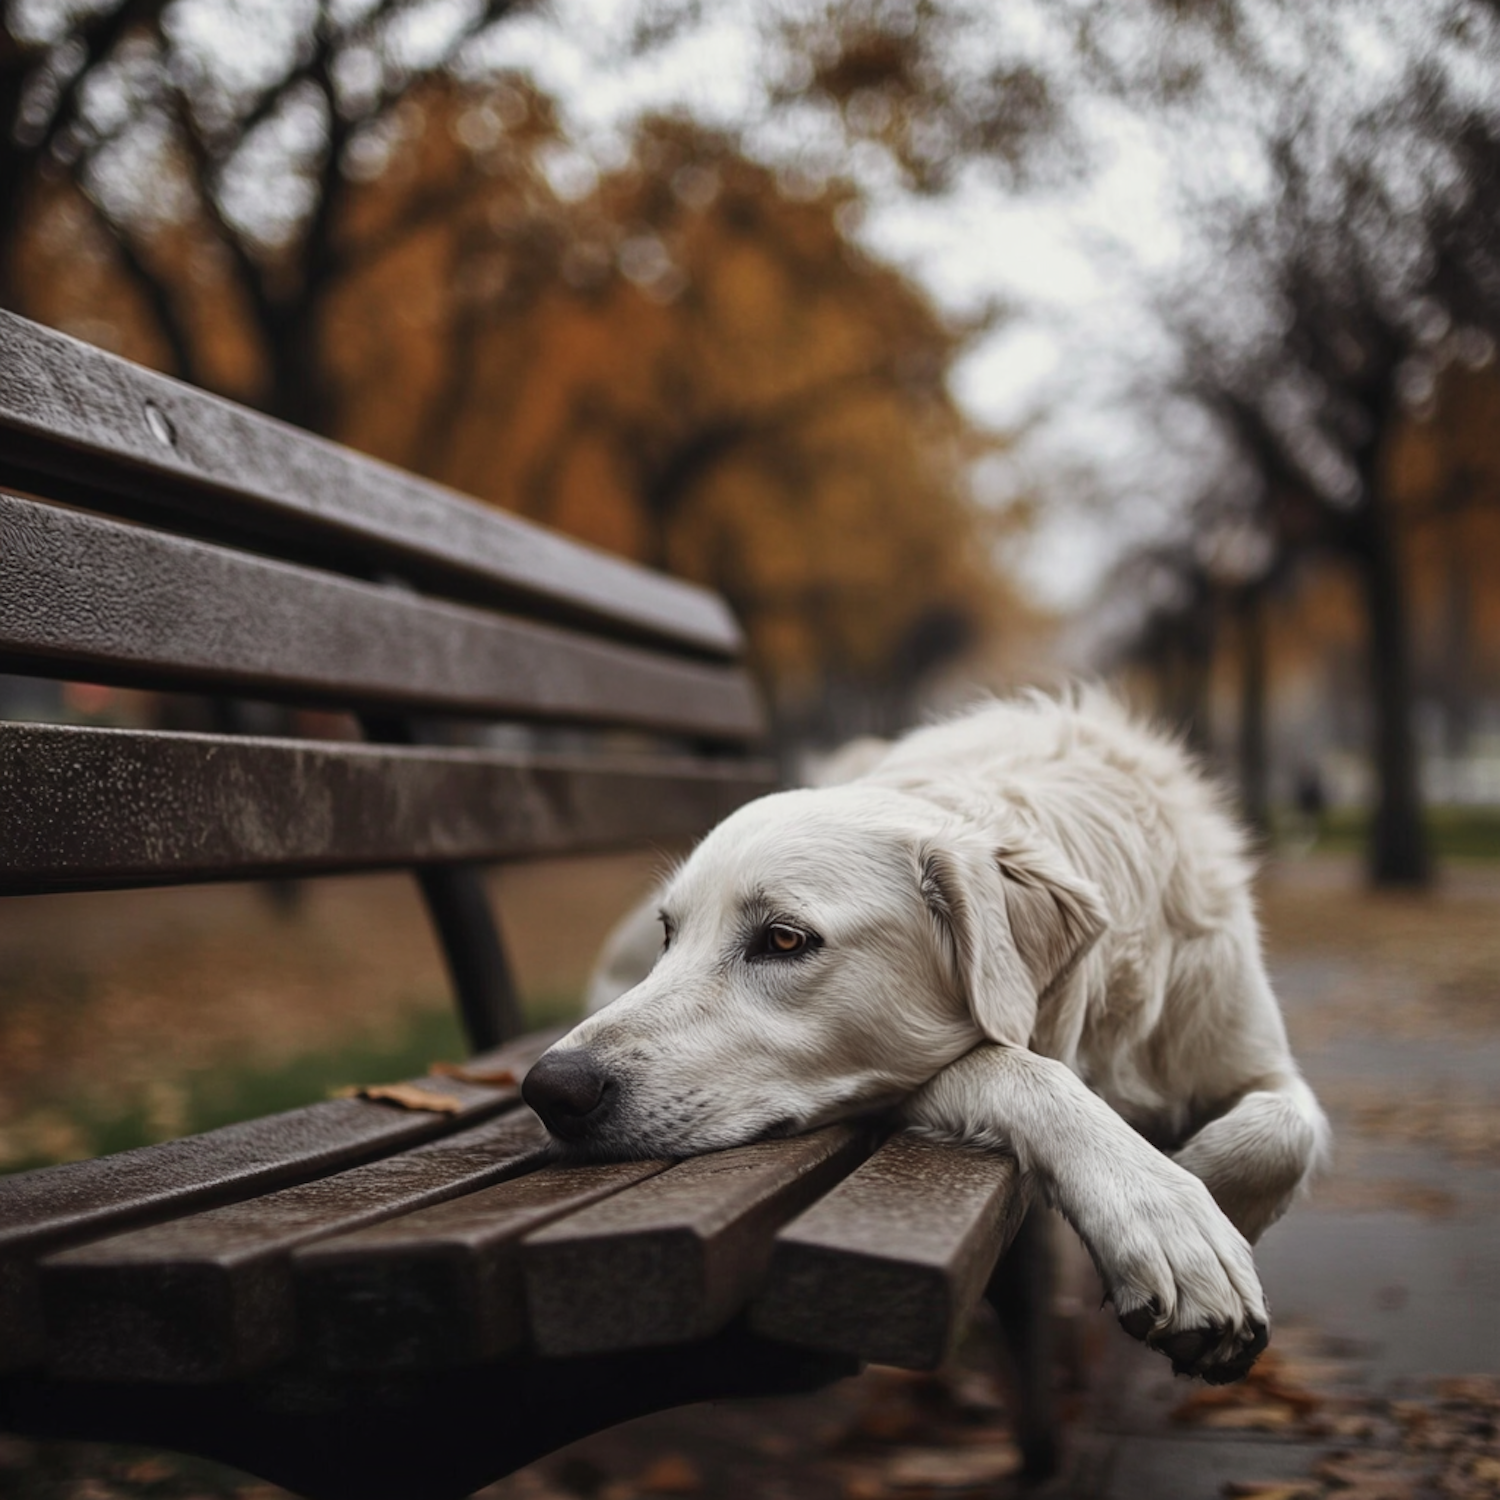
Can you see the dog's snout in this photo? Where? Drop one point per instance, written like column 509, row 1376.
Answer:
column 570, row 1091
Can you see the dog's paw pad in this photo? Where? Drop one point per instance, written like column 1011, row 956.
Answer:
column 1192, row 1352
column 1189, row 1347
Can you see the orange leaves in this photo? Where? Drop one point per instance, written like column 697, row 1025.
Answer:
column 403, row 1096
column 690, row 366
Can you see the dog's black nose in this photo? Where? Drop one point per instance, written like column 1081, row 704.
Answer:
column 569, row 1091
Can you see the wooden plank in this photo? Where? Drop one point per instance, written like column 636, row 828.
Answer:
column 441, row 1286
column 81, row 425
column 43, row 1210
column 676, row 1257
column 890, row 1265
column 210, row 1297
column 92, row 808
column 96, row 599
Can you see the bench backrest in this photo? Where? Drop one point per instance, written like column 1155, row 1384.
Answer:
column 154, row 536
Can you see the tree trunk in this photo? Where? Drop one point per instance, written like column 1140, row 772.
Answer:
column 14, row 168
column 300, row 391
column 1454, row 674
column 1398, row 852
column 1194, row 643
column 1255, row 802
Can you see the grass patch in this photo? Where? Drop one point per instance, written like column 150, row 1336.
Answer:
column 193, row 1102
column 1453, row 832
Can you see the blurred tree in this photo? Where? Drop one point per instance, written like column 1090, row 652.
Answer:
column 1172, row 605
column 691, row 364
column 211, row 146
column 685, row 361
column 1368, row 280
column 1445, row 482
column 1337, row 170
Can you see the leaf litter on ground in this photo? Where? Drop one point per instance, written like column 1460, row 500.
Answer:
column 1439, row 1441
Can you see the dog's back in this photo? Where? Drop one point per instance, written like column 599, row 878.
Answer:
column 1170, row 1015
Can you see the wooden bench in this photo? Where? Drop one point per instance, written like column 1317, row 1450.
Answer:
column 353, row 1298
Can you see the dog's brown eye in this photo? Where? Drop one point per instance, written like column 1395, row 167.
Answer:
column 785, row 939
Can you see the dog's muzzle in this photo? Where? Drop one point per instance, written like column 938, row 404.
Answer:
column 571, row 1092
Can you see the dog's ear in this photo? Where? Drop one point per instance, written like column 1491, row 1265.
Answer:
column 1014, row 923
column 1056, row 915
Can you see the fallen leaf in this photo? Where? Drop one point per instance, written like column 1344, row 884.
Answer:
column 1264, row 1416
column 1272, row 1489
column 671, row 1474
column 1483, row 1389
column 1346, row 1424
column 1393, row 1488
column 951, row 1468
column 495, row 1078
column 405, row 1095
column 1367, row 1476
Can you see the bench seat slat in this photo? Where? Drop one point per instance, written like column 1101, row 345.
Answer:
column 210, row 1296
column 889, row 1266
column 674, row 1258
column 91, row 598
column 50, row 1207
column 121, row 438
column 441, row 1286
column 92, row 808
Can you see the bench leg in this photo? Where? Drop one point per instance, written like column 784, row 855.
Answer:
column 1020, row 1291
column 459, row 904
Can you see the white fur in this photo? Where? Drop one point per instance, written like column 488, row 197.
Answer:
column 1034, row 928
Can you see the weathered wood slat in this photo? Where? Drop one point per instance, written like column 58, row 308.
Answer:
column 889, row 1266
column 441, row 1286
column 88, row 426
column 85, row 597
column 210, row 1296
column 677, row 1256
column 51, row 1207
column 89, row 808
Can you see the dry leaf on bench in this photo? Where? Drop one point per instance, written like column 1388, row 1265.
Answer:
column 404, row 1095
column 495, row 1078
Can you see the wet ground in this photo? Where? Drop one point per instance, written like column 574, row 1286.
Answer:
column 1381, row 1383
column 1385, row 1282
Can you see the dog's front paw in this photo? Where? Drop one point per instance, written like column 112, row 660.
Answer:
column 1182, row 1278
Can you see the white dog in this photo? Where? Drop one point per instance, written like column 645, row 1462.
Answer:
column 1032, row 928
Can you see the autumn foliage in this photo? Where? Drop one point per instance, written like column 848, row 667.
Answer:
column 686, row 362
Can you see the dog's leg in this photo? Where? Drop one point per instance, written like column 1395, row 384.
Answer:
column 1255, row 1157
column 1020, row 1291
column 1179, row 1273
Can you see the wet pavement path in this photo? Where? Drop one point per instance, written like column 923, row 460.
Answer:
column 1385, row 1283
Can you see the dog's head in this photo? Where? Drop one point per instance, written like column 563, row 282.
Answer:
column 824, row 952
